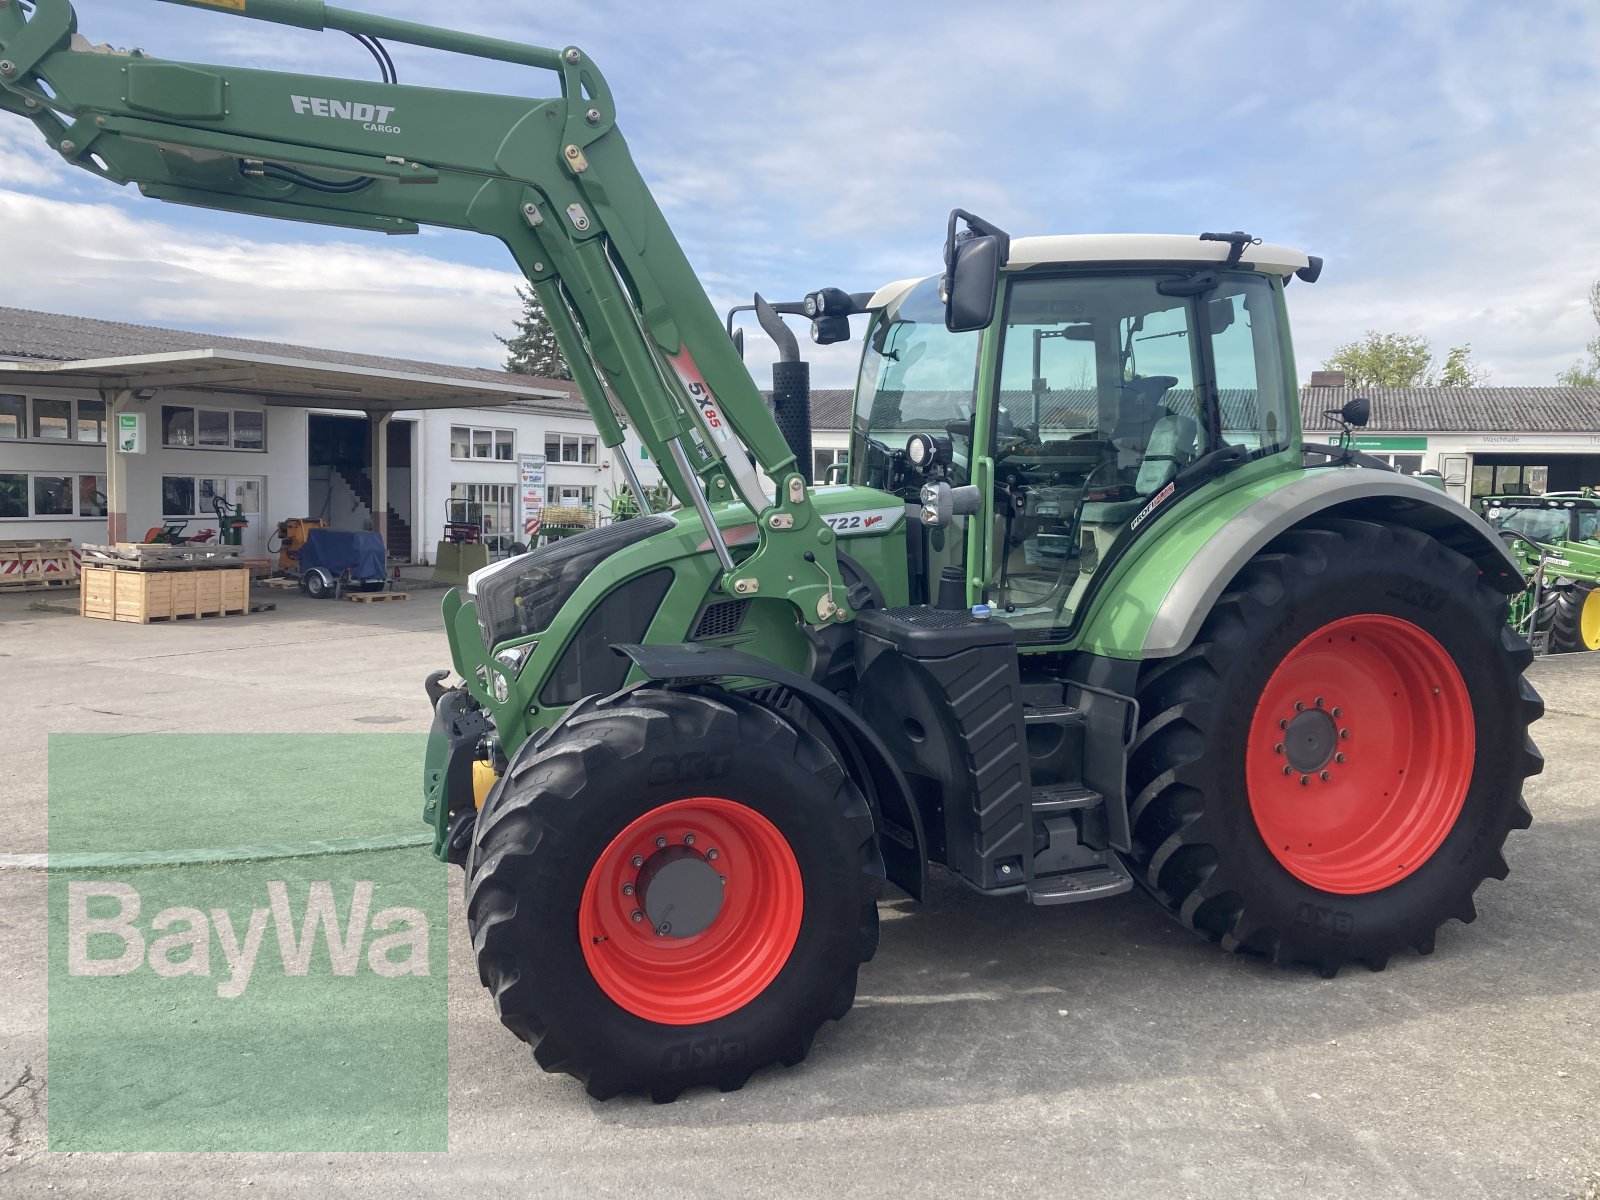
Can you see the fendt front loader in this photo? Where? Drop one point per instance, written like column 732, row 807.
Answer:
column 1086, row 616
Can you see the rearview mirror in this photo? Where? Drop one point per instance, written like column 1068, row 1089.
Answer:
column 972, row 265
column 971, row 285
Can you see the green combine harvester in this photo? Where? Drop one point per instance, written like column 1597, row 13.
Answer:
column 1556, row 537
column 1087, row 615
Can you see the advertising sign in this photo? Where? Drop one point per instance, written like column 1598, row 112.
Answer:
column 530, row 484
column 130, row 433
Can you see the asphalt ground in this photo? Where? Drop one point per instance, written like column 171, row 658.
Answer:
column 995, row 1049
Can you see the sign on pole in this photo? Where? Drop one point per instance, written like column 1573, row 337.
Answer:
column 530, row 480
column 130, row 433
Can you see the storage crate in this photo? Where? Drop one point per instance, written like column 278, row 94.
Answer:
column 122, row 594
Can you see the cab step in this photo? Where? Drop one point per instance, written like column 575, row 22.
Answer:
column 1050, row 800
column 1086, row 883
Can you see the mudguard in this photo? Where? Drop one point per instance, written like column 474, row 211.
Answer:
column 1335, row 492
column 900, row 834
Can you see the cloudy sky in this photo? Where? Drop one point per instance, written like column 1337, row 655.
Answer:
column 1443, row 157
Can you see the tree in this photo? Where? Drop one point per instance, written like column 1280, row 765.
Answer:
column 1403, row 360
column 532, row 350
column 1460, row 371
column 1580, row 373
column 1383, row 360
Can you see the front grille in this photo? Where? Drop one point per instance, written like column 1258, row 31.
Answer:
column 720, row 619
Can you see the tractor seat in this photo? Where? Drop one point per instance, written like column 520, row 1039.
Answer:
column 1170, row 449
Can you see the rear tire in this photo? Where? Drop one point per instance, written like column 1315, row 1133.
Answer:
column 591, row 816
column 1570, row 615
column 1400, row 637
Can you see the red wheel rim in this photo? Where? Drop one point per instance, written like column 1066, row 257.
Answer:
column 1360, row 753
column 665, row 976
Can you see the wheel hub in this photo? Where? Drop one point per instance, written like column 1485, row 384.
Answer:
column 1310, row 741
column 679, row 891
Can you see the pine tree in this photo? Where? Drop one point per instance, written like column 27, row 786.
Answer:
column 532, row 350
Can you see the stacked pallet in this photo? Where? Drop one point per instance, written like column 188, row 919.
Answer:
column 37, row 565
column 143, row 583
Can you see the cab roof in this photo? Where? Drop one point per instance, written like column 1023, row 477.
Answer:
column 1116, row 249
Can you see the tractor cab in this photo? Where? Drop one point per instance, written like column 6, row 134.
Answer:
column 1121, row 371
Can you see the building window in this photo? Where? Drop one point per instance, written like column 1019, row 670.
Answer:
column 213, row 428
column 13, row 414
column 52, row 419
column 91, row 420
column 196, row 496
column 1406, row 464
column 54, row 495
column 571, row 448
column 486, row 505
column 92, row 495
column 570, row 496
column 13, row 494
column 23, row 495
column 821, row 460
column 496, row 444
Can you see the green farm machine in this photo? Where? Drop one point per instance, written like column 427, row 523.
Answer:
column 1556, row 537
column 1086, row 616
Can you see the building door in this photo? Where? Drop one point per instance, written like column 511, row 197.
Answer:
column 1457, row 471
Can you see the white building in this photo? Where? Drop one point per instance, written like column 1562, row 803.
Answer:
column 283, row 431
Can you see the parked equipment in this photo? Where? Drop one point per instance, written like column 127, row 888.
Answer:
column 291, row 535
column 1556, row 537
column 334, row 561
column 1087, row 615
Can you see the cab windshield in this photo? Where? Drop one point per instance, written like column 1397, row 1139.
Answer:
column 916, row 377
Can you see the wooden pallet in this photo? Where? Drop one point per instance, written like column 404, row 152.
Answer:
column 375, row 597
column 36, row 564
column 263, row 606
column 36, row 583
column 277, row 582
column 143, row 556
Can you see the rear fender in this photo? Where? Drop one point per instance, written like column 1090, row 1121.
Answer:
column 1192, row 589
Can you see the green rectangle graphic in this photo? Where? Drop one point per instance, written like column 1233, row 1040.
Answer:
column 247, row 945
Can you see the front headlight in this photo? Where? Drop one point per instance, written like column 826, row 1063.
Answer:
column 522, row 595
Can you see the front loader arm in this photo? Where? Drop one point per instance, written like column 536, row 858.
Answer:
column 552, row 179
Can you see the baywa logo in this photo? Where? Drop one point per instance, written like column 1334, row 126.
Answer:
column 374, row 118
column 186, row 934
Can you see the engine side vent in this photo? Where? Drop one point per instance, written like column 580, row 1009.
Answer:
column 720, row 619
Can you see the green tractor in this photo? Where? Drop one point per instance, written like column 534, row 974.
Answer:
column 1087, row 615
column 1557, row 539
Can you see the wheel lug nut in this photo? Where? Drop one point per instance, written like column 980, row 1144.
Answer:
column 660, row 842
column 1304, row 780
column 1324, row 777
column 688, row 839
column 636, row 916
column 637, row 860
column 1344, row 733
column 1318, row 701
column 1338, row 712
column 1338, row 758
column 1299, row 706
column 627, row 889
column 712, row 854
column 1283, row 724
column 663, row 929
column 1278, row 749
column 722, row 879
column 1287, row 769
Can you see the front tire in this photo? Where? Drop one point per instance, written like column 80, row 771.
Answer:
column 1331, row 770
column 671, row 889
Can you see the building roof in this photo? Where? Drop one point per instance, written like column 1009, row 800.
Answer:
column 1461, row 410
column 1394, row 410
column 58, row 348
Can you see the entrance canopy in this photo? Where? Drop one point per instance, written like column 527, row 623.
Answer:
column 289, row 382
